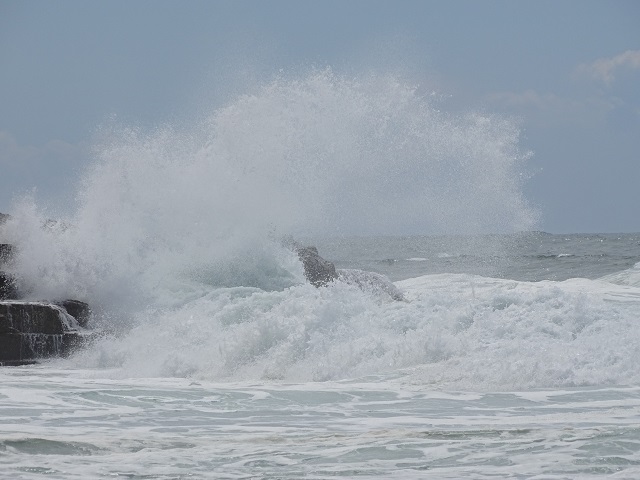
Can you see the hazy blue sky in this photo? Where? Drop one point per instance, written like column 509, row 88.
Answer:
column 569, row 70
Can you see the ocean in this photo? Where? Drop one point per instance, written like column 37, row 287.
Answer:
column 514, row 354
column 524, row 366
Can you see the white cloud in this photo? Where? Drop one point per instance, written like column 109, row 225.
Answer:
column 605, row 69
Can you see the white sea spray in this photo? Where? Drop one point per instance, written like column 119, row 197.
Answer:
column 175, row 242
column 315, row 154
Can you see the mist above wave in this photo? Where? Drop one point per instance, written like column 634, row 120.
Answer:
column 316, row 153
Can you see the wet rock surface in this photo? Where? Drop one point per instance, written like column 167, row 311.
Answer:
column 8, row 289
column 31, row 330
column 34, row 330
column 318, row 271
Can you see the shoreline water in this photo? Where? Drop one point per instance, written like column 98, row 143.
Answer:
column 475, row 376
column 78, row 427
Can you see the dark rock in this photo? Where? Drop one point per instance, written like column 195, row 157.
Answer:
column 320, row 272
column 8, row 288
column 36, row 317
column 78, row 310
column 317, row 270
column 6, row 251
column 34, row 330
column 24, row 349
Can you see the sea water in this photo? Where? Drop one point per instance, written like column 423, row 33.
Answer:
column 513, row 355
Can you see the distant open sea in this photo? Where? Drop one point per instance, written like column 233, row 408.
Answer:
column 513, row 356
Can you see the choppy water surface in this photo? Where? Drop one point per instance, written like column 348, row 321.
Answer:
column 530, row 256
column 472, row 377
column 73, row 426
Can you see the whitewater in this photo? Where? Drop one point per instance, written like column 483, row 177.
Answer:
column 514, row 353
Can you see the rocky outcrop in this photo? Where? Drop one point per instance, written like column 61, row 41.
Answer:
column 8, row 288
column 7, row 282
column 320, row 272
column 6, row 251
column 80, row 311
column 34, row 330
column 30, row 331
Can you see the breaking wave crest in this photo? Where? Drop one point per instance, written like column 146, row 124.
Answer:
column 175, row 239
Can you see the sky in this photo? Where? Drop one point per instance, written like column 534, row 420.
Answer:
column 568, row 72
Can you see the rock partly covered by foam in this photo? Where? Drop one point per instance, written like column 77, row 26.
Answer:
column 371, row 282
column 320, row 272
column 317, row 270
column 34, row 330
column 8, row 288
column 80, row 311
column 7, row 282
column 6, row 251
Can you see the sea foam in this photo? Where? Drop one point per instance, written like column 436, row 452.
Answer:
column 175, row 240
column 454, row 331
